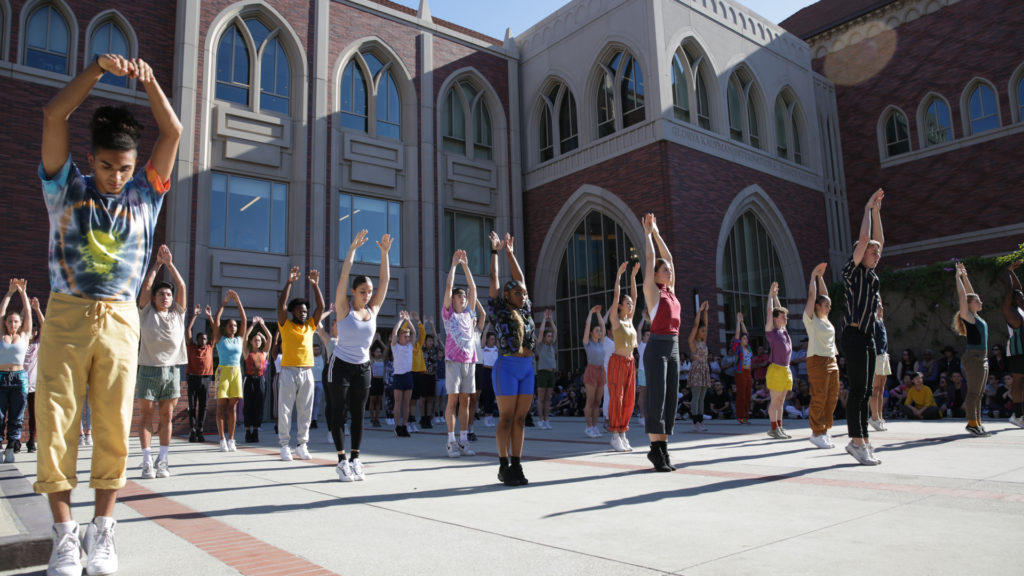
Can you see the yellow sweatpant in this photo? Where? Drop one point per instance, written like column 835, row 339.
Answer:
column 85, row 342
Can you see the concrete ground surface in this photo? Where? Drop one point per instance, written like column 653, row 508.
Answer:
column 942, row 502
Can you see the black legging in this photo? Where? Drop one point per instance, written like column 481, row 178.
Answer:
column 349, row 385
column 860, row 369
column 252, row 401
column 661, row 369
column 198, row 389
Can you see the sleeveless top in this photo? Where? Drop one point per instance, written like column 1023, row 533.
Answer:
column 229, row 350
column 977, row 334
column 666, row 317
column 700, row 375
column 355, row 337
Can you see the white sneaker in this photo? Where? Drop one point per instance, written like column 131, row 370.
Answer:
column 162, row 470
column 66, row 554
column 876, row 424
column 147, row 470
column 303, row 452
column 357, row 469
column 465, row 450
column 489, row 421
column 286, row 454
column 1018, row 422
column 100, row 546
column 223, row 445
column 453, row 449
column 820, row 441
column 231, row 446
column 344, row 470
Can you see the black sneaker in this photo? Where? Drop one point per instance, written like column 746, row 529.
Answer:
column 978, row 431
column 30, row 446
column 471, row 436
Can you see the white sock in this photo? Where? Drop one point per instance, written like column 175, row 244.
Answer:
column 463, row 436
column 163, row 452
column 147, row 456
column 451, row 437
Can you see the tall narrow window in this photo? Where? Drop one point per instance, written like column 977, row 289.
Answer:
column 983, row 110
column 938, row 126
column 107, row 38
column 897, row 135
column 48, row 40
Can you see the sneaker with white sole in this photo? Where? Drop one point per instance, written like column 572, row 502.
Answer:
column 162, row 470
column 223, row 445
column 465, row 450
column 303, row 452
column 1018, row 422
column 148, row 472
column 66, row 554
column 231, row 446
column 819, row 440
column 861, row 454
column 357, row 469
column 453, row 449
column 286, row 454
column 100, row 545
column 344, row 470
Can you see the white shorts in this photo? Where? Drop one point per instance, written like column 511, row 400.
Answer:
column 882, row 367
column 459, row 377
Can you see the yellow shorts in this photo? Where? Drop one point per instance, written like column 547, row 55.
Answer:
column 779, row 377
column 94, row 344
column 229, row 382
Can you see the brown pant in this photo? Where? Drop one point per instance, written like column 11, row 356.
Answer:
column 823, row 374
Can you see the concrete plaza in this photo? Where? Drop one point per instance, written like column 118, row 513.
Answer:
column 942, row 502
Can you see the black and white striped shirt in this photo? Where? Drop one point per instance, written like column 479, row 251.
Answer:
column 861, row 296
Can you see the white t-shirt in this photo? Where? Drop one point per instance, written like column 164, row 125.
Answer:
column 162, row 336
column 402, row 358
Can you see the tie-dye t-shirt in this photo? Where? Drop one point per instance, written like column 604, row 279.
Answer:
column 100, row 244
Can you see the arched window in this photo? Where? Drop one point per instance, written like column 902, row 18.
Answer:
column 751, row 263
column 690, row 85
column 624, row 71
column 586, row 278
column 47, row 43
column 238, row 71
column 897, row 135
column 464, row 105
column 557, row 122
column 984, row 114
column 369, row 91
column 938, row 126
column 109, row 38
column 789, row 127
column 743, row 117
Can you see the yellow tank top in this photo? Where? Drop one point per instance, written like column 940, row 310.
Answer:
column 624, row 334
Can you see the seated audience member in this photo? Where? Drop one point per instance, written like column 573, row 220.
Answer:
column 920, row 404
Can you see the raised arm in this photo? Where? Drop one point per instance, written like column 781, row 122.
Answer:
column 812, row 288
column 166, row 148
column 866, row 234
column 586, row 328
column 314, row 279
column 56, row 147
column 282, row 301
column 496, row 243
column 384, row 274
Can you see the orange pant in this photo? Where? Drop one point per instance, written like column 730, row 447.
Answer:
column 621, row 390
column 823, row 374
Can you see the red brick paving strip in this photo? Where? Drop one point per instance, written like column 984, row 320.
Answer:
column 247, row 554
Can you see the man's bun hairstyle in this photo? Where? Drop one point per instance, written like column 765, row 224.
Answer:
column 114, row 128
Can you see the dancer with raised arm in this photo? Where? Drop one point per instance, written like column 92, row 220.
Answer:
column 861, row 290
column 822, row 366
column 297, row 326
column 700, row 373
column 661, row 359
column 227, row 340
column 1013, row 312
column 968, row 323
column 459, row 316
column 779, row 377
column 161, row 352
column 101, row 238
column 510, row 312
column 17, row 332
column 350, row 374
column 621, row 367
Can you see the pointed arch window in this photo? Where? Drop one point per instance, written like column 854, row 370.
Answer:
column 623, row 71
column 984, row 114
column 370, row 101
column 465, row 106
column 938, row 125
column 250, row 54
column 109, row 38
column 48, row 41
